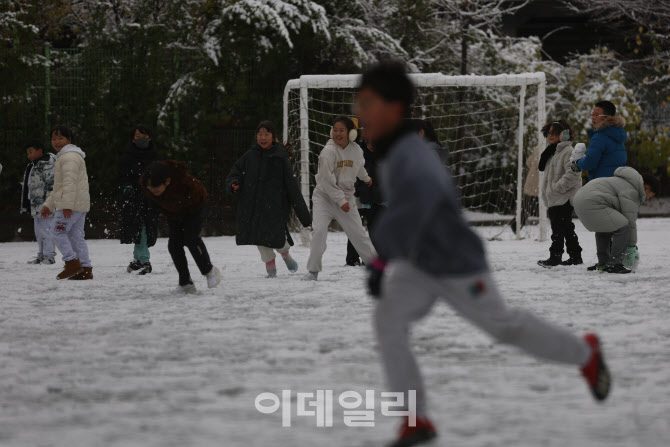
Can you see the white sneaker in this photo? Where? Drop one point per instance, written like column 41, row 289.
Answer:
column 311, row 276
column 271, row 268
column 188, row 289
column 213, row 278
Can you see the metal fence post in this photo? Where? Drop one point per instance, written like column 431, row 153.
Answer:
column 47, row 87
column 175, row 113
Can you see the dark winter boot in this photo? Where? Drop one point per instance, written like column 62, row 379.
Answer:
column 146, row 268
column 553, row 261
column 595, row 371
column 573, row 261
column 596, row 268
column 134, row 266
column 617, row 268
column 70, row 269
column 87, row 273
column 36, row 260
column 423, row 432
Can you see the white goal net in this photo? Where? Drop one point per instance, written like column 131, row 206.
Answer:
column 490, row 126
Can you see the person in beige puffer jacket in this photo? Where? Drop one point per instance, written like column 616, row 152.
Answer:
column 559, row 185
column 70, row 201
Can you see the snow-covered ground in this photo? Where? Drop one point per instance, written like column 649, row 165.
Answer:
column 118, row 361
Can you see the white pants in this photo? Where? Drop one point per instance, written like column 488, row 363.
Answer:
column 408, row 294
column 68, row 235
column 268, row 254
column 45, row 246
column 325, row 210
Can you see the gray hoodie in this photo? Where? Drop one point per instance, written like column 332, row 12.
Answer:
column 423, row 222
column 606, row 204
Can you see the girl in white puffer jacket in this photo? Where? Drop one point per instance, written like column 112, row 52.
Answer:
column 70, row 201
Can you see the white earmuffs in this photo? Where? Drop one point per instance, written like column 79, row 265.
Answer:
column 353, row 134
column 565, row 135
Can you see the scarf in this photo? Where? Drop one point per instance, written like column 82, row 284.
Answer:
column 546, row 156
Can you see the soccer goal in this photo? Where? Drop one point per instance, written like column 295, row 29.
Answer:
column 489, row 124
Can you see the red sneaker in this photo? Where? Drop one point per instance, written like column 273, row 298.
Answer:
column 595, row 371
column 424, row 431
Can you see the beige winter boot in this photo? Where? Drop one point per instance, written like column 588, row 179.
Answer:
column 86, row 273
column 71, row 268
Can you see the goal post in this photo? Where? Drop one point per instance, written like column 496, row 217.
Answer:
column 489, row 124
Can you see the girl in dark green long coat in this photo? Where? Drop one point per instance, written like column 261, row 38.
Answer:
column 139, row 220
column 264, row 180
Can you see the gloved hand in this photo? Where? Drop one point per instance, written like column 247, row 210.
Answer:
column 631, row 257
column 376, row 270
column 574, row 166
column 578, row 152
column 235, row 186
column 128, row 190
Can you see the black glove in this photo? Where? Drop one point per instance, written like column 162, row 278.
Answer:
column 574, row 166
column 376, row 270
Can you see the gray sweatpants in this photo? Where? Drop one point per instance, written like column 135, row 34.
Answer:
column 408, row 294
column 325, row 210
column 268, row 254
column 610, row 247
column 45, row 246
column 68, row 235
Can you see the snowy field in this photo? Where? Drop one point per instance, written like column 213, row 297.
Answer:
column 118, row 361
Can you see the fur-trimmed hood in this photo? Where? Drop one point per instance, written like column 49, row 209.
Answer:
column 611, row 121
column 607, row 150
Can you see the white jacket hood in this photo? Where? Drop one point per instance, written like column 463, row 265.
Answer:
column 71, row 148
column 334, row 145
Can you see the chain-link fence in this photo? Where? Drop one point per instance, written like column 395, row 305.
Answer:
column 101, row 93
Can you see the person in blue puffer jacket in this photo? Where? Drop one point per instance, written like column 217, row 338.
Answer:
column 606, row 150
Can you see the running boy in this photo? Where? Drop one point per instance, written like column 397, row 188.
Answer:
column 38, row 182
column 70, row 200
column 341, row 162
column 181, row 198
column 417, row 238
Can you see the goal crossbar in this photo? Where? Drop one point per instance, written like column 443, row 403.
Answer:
column 423, row 80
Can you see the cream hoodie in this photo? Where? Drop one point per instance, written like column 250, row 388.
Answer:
column 70, row 181
column 338, row 170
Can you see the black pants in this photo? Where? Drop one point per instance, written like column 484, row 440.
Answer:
column 563, row 231
column 370, row 215
column 186, row 233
